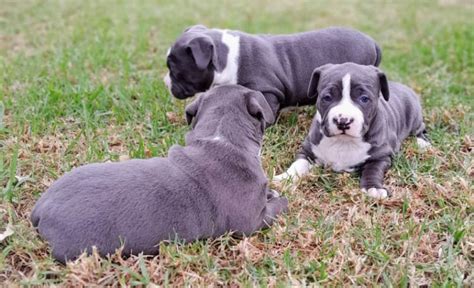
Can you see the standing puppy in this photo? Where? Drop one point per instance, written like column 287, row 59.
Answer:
column 213, row 185
column 279, row 66
column 353, row 128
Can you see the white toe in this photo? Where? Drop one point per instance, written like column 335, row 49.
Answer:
column 422, row 143
column 378, row 193
column 281, row 177
column 298, row 169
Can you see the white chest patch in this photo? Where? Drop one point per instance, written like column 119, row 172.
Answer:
column 341, row 153
column 229, row 74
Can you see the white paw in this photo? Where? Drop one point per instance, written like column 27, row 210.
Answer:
column 378, row 193
column 298, row 169
column 423, row 144
column 281, row 177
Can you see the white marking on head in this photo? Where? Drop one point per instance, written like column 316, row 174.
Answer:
column 346, row 86
column 168, row 52
column 229, row 74
column 298, row 169
column 422, row 143
column 341, row 153
column 347, row 109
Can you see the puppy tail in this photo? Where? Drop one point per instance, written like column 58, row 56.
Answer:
column 378, row 58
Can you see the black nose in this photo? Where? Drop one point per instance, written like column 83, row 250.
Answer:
column 342, row 123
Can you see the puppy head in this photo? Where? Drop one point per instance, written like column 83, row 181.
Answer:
column 191, row 63
column 348, row 96
column 234, row 106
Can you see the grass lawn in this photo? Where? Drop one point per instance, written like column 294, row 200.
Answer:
column 80, row 82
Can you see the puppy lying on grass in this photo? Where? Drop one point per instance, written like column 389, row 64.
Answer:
column 213, row 185
column 353, row 128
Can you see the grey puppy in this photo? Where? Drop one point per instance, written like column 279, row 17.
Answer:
column 213, row 185
column 277, row 65
column 353, row 128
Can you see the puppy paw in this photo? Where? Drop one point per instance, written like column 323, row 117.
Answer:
column 422, row 143
column 281, row 177
column 378, row 193
column 298, row 169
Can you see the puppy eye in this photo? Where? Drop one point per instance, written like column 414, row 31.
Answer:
column 364, row 99
column 327, row 98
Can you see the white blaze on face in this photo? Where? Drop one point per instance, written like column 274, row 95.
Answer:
column 346, row 108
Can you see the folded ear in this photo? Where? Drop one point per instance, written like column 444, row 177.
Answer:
column 195, row 27
column 259, row 108
column 314, row 81
column 383, row 85
column 203, row 51
column 192, row 109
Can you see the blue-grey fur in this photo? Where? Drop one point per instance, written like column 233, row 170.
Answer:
column 279, row 66
column 205, row 189
column 387, row 122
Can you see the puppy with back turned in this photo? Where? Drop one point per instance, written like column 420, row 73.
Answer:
column 361, row 121
column 213, row 185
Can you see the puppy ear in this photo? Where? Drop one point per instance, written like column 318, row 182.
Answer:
column 192, row 109
column 195, row 27
column 202, row 50
column 383, row 85
column 259, row 108
column 314, row 81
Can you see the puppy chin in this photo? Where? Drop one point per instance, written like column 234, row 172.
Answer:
column 350, row 135
column 338, row 133
column 181, row 96
column 180, row 93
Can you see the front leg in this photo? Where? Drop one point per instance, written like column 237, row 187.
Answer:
column 371, row 181
column 297, row 169
column 305, row 156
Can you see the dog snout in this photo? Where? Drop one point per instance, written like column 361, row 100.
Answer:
column 343, row 123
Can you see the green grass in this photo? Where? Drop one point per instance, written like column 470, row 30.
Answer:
column 81, row 82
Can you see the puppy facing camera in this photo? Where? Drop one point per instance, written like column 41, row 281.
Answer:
column 361, row 121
